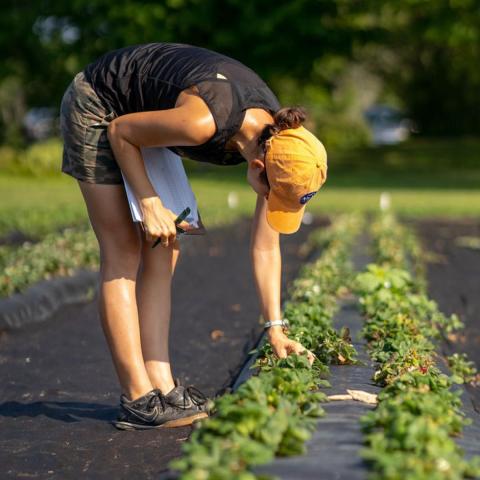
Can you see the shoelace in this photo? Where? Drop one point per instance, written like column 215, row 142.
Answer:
column 198, row 398
column 158, row 399
column 189, row 393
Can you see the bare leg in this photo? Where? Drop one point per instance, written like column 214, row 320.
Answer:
column 120, row 253
column 154, row 306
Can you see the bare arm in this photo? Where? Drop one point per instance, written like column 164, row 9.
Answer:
column 189, row 123
column 267, row 268
column 267, row 263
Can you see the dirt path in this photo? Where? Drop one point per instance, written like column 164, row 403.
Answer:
column 454, row 280
column 58, row 388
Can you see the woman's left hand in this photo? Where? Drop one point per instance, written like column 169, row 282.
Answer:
column 284, row 346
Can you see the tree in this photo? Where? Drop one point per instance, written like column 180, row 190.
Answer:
column 426, row 51
column 429, row 55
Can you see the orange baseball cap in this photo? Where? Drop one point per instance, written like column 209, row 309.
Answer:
column 296, row 167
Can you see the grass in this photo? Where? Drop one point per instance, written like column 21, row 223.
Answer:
column 36, row 206
column 443, row 193
column 345, row 193
column 424, row 178
column 427, row 155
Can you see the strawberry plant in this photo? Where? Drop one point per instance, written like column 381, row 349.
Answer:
column 463, row 369
column 275, row 411
column 56, row 255
column 410, row 435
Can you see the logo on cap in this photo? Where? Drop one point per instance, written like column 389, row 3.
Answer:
column 307, row 197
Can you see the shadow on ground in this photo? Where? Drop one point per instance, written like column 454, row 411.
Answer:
column 59, row 391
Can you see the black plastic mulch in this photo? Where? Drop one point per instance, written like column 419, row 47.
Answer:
column 454, row 281
column 58, row 388
column 59, row 391
column 333, row 452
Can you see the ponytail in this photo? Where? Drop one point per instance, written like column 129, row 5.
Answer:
column 285, row 118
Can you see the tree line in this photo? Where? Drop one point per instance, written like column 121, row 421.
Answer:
column 419, row 54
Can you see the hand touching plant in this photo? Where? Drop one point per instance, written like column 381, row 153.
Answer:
column 283, row 346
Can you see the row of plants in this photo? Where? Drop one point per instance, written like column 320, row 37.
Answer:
column 411, row 434
column 275, row 411
column 58, row 254
column 36, row 218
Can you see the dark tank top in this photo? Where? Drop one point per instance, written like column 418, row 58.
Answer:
column 151, row 76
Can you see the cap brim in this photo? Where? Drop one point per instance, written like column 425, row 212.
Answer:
column 281, row 217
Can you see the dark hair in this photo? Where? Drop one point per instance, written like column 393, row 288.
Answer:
column 287, row 117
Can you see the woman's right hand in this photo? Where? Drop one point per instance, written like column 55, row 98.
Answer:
column 284, row 346
column 159, row 221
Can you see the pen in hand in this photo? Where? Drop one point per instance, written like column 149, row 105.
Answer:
column 178, row 220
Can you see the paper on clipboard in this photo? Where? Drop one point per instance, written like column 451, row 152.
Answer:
column 169, row 180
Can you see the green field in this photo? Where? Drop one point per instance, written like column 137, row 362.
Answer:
column 39, row 207
column 438, row 178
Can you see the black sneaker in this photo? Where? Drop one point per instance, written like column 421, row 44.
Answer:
column 188, row 399
column 152, row 411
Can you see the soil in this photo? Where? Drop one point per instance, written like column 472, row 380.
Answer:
column 454, row 281
column 59, row 391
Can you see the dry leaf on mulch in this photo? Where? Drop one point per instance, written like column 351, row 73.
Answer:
column 358, row 395
column 216, row 335
column 364, row 397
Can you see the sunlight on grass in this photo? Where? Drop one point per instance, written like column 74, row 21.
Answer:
column 36, row 206
column 405, row 201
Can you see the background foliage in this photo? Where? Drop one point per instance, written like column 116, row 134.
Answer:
column 336, row 56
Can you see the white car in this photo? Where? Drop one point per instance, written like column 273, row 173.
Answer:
column 388, row 125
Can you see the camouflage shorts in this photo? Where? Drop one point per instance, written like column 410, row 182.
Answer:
column 87, row 155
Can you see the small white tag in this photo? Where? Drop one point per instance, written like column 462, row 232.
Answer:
column 219, row 75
